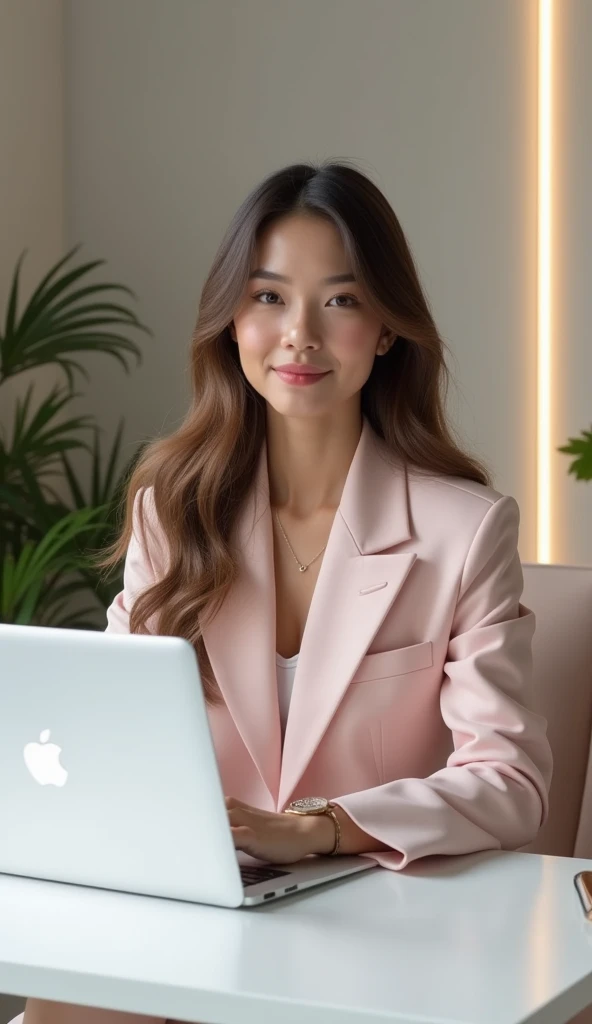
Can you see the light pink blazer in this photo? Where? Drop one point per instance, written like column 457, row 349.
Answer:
column 412, row 701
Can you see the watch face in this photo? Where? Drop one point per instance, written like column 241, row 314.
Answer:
column 310, row 803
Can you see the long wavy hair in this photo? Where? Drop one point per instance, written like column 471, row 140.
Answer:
column 201, row 473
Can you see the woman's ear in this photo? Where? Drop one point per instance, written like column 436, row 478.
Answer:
column 387, row 340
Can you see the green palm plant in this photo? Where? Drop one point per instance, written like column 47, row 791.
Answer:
column 47, row 545
column 581, row 447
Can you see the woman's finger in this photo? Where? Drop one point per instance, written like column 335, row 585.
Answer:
column 242, row 833
column 231, row 801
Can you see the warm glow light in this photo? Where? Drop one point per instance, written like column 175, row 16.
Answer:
column 544, row 426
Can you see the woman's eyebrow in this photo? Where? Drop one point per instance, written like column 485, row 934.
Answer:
column 269, row 275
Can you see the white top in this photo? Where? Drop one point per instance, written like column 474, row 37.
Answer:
column 500, row 936
column 285, row 671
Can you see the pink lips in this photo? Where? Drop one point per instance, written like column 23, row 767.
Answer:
column 300, row 368
column 299, row 378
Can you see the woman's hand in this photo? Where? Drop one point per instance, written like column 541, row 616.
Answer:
column 278, row 838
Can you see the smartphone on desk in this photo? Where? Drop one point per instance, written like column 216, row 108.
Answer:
column 583, row 883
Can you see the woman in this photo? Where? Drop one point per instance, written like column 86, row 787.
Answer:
column 335, row 527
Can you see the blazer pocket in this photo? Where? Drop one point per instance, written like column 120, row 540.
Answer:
column 394, row 663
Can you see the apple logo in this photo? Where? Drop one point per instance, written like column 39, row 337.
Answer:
column 43, row 761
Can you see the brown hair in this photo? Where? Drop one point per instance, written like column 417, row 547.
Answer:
column 202, row 472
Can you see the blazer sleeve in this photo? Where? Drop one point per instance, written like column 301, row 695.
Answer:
column 493, row 792
column 139, row 571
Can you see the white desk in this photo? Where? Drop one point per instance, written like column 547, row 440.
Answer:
column 491, row 938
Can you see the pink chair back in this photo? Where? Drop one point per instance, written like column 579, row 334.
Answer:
column 561, row 598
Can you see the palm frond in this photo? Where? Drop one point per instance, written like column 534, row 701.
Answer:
column 22, row 580
column 46, row 548
column 37, row 443
column 55, row 323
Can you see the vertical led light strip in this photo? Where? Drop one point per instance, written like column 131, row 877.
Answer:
column 544, row 431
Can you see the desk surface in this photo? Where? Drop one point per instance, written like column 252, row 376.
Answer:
column 490, row 938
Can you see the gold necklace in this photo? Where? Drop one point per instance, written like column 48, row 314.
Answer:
column 301, row 567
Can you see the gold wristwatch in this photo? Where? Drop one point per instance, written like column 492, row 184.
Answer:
column 317, row 805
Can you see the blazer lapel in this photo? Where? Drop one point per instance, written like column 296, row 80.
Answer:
column 357, row 584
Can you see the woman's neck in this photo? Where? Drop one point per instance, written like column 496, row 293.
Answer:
column 308, row 462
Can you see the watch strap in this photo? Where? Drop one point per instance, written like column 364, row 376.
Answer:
column 329, row 810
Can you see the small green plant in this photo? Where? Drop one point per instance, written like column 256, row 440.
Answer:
column 581, row 447
column 46, row 545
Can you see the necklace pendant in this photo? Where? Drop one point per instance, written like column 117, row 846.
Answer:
column 303, row 568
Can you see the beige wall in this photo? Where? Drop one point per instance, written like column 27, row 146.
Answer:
column 175, row 110
column 170, row 119
column 32, row 138
column 573, row 263
column 32, row 160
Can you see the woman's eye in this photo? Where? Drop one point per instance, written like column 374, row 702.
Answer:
column 352, row 299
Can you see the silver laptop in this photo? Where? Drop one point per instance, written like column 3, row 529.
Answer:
column 109, row 778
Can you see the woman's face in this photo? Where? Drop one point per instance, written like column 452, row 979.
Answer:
column 303, row 318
